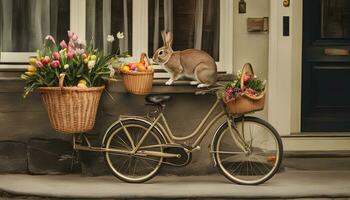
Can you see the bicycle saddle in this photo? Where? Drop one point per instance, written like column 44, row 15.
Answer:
column 157, row 99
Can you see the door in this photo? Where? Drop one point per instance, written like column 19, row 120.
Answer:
column 326, row 66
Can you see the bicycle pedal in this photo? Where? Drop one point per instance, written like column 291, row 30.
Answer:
column 197, row 148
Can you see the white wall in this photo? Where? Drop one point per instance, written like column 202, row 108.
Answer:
column 251, row 47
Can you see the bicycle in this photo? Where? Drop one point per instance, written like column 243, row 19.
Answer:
column 246, row 150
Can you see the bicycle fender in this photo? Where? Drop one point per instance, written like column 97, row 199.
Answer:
column 212, row 142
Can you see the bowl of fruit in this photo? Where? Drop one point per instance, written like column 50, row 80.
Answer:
column 138, row 77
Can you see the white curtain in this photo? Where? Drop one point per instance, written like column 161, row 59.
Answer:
column 106, row 23
column 24, row 24
column 99, row 22
column 198, row 29
column 169, row 18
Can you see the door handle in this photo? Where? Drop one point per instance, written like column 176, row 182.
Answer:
column 336, row 52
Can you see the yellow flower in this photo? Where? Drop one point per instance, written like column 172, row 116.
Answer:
column 82, row 81
column 31, row 68
column 32, row 61
column 82, row 84
column 86, row 60
column 29, row 73
column 24, row 77
column 93, row 57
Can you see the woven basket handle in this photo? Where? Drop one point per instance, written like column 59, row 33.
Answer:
column 144, row 58
column 246, row 68
column 61, row 80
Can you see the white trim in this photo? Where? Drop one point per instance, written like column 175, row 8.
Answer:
column 226, row 36
column 78, row 17
column 139, row 27
column 15, row 57
column 285, row 63
column 297, row 27
column 279, row 70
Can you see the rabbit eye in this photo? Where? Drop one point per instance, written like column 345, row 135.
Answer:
column 161, row 52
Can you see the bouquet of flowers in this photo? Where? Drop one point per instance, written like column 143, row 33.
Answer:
column 82, row 65
column 253, row 86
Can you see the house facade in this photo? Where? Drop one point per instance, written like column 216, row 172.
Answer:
column 303, row 55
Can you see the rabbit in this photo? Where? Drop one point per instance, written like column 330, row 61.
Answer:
column 190, row 63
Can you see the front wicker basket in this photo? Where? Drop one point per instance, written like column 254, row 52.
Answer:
column 246, row 103
column 71, row 109
column 139, row 83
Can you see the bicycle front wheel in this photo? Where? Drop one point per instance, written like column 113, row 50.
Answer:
column 133, row 168
column 259, row 163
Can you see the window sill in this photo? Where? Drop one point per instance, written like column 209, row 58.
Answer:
column 11, row 83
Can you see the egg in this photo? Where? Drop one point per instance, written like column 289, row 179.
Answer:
column 125, row 68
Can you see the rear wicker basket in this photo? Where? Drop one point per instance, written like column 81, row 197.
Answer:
column 139, row 83
column 71, row 109
column 246, row 103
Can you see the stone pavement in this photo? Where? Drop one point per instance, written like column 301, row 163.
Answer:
column 290, row 184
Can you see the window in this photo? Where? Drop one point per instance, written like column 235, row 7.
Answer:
column 203, row 24
column 195, row 24
column 109, row 17
column 24, row 24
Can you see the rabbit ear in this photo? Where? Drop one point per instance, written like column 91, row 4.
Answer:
column 169, row 39
column 163, row 33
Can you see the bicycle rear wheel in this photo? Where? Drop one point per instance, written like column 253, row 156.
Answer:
column 133, row 168
column 254, row 167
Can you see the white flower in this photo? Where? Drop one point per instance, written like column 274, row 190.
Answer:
column 91, row 64
column 112, row 71
column 120, row 35
column 110, row 38
column 81, row 42
column 65, row 66
column 79, row 51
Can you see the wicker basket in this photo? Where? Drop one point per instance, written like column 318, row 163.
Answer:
column 246, row 103
column 71, row 109
column 139, row 83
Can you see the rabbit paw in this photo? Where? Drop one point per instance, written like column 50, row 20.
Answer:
column 194, row 83
column 202, row 85
column 169, row 82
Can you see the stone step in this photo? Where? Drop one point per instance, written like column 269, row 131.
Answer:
column 317, row 160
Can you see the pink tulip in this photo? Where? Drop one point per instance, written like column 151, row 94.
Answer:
column 84, row 55
column 50, row 38
column 56, row 55
column 39, row 64
column 70, row 34
column 73, row 36
column 63, row 44
column 55, row 64
column 70, row 54
column 46, row 60
column 71, row 45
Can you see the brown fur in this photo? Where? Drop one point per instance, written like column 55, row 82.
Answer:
column 191, row 63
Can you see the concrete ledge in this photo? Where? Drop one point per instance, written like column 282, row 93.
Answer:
column 288, row 185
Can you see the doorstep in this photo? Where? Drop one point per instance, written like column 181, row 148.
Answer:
column 290, row 184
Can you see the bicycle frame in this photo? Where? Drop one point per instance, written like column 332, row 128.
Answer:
column 165, row 130
column 173, row 139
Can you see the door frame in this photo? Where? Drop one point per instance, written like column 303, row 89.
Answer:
column 284, row 71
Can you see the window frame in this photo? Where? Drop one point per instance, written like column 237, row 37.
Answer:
column 139, row 35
